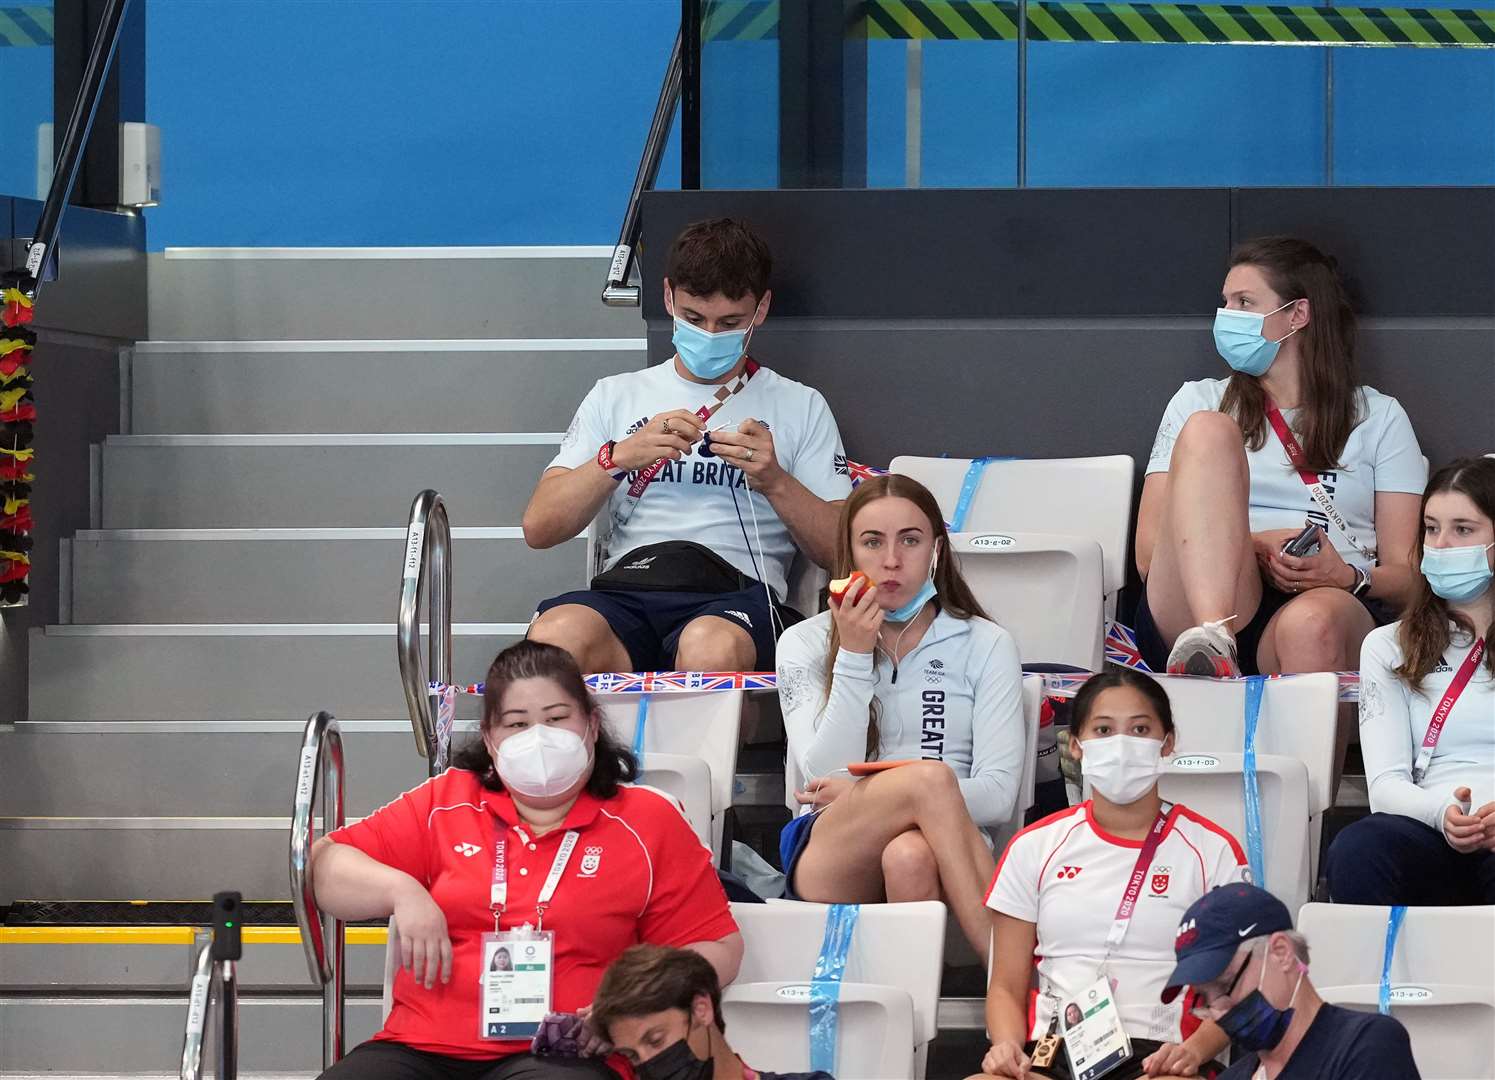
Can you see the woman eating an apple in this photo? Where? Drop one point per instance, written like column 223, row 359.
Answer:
column 903, row 709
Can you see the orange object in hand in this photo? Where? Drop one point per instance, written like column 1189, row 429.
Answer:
column 850, row 588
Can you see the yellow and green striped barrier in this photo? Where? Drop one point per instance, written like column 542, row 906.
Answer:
column 29, row 24
column 1147, row 23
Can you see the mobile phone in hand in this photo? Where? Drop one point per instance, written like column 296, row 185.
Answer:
column 1305, row 544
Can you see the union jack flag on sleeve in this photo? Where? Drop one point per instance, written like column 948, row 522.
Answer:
column 856, row 470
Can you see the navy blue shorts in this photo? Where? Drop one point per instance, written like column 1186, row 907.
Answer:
column 649, row 623
column 793, row 840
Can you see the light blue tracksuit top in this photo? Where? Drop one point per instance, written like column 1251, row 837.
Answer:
column 958, row 699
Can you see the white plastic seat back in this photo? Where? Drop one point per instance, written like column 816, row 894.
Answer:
column 1299, row 717
column 1088, row 497
column 1213, row 785
column 896, row 947
column 1442, row 978
column 1044, row 588
column 688, row 781
column 794, row 780
column 681, row 729
column 391, row 965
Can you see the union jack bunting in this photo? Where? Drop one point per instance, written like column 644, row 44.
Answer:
column 679, row 682
column 1121, row 647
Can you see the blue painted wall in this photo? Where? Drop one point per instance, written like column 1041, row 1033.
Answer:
column 303, row 122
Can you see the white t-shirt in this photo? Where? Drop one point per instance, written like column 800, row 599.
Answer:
column 1394, row 718
column 958, row 699
column 1381, row 455
column 1067, row 875
column 692, row 499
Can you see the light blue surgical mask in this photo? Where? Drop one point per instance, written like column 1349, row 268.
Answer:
column 925, row 594
column 1239, row 340
column 707, row 355
column 1458, row 574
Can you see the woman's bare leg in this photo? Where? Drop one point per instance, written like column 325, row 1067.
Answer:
column 1203, row 565
column 843, row 862
column 1321, row 630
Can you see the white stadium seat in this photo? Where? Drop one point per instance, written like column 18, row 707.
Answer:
column 690, row 750
column 1213, row 785
column 1442, row 978
column 1080, row 497
column 1298, row 719
column 889, row 995
column 794, row 780
column 1043, row 588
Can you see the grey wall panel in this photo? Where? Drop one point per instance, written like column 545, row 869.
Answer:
column 996, row 254
column 968, row 254
column 100, row 288
column 77, row 400
column 1059, row 388
column 1428, row 251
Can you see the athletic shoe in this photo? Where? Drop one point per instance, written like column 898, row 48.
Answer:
column 1205, row 650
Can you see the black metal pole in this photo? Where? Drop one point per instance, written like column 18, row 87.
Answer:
column 74, row 139
column 690, row 95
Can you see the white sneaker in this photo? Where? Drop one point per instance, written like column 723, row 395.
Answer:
column 1207, row 650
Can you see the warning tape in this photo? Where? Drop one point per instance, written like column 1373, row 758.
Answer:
column 1156, row 24
column 27, row 25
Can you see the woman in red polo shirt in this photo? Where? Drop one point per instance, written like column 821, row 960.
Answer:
column 531, row 843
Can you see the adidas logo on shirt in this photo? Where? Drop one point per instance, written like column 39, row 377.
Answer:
column 641, row 564
column 742, row 615
column 468, row 850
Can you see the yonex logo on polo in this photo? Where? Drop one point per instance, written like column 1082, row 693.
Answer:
column 467, row 850
column 1067, row 872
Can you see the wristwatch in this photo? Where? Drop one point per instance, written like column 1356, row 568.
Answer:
column 1362, row 581
column 605, row 459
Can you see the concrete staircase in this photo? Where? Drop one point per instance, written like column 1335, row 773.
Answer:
column 242, row 573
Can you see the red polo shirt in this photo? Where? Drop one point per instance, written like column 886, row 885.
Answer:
column 638, row 874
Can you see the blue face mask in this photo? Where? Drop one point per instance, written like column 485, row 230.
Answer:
column 707, row 355
column 1239, row 341
column 925, row 594
column 1457, row 573
column 1255, row 1023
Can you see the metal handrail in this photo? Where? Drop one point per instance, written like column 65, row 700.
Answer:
column 217, row 970
column 322, row 936
column 618, row 291
column 428, row 559
column 74, row 139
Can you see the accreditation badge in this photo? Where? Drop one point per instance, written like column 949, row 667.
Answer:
column 1094, row 1040
column 517, row 981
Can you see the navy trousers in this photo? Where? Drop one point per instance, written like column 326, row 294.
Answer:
column 1392, row 859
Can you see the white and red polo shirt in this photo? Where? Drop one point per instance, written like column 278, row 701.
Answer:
column 638, row 874
column 1067, row 875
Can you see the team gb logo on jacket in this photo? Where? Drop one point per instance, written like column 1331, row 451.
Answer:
column 591, row 859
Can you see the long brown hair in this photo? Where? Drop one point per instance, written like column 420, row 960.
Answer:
column 952, row 593
column 612, row 763
column 1423, row 633
column 1330, row 405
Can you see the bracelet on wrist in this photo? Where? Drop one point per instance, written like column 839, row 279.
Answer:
column 605, row 460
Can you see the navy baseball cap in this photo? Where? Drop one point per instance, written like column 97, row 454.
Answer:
column 1215, row 926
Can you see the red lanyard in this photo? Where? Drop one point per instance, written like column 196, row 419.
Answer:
column 1440, row 714
column 1310, row 479
column 705, row 412
column 1139, row 874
